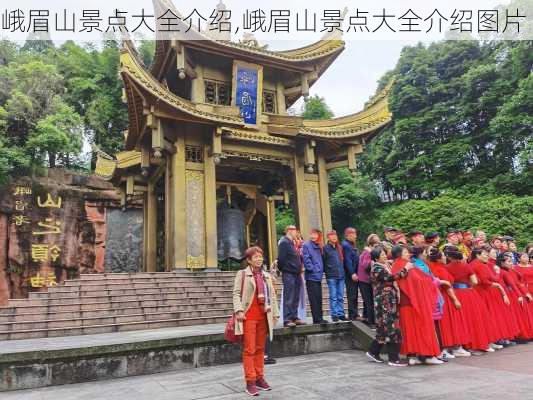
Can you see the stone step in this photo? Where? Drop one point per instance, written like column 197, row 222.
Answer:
column 125, row 292
column 156, row 275
column 186, row 304
column 143, row 286
column 106, row 320
column 57, row 314
column 132, row 295
column 145, row 283
column 118, row 299
column 108, row 328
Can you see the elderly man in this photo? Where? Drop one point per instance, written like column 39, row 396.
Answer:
column 290, row 265
column 351, row 264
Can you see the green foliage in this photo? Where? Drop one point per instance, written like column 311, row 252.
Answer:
column 146, row 50
column 57, row 135
column 508, row 214
column 284, row 217
column 462, row 115
column 353, row 199
column 315, row 107
column 53, row 99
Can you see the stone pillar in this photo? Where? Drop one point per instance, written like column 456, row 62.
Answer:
column 178, row 253
column 195, row 217
column 312, row 197
column 272, row 233
column 323, row 187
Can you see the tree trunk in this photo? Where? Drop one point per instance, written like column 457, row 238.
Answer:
column 52, row 159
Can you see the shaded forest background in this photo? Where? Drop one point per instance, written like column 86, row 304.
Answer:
column 458, row 154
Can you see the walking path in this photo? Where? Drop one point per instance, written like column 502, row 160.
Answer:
column 506, row 374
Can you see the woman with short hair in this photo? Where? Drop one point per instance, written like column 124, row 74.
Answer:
column 473, row 305
column 417, row 301
column 256, row 312
column 386, row 300
column 365, row 284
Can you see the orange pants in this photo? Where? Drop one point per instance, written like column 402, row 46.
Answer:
column 253, row 350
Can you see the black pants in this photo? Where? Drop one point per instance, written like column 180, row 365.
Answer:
column 368, row 301
column 314, row 294
column 393, row 349
column 352, row 294
column 292, row 284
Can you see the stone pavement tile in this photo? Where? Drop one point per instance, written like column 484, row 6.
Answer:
column 194, row 391
column 285, row 392
column 135, row 386
column 20, row 395
column 488, row 393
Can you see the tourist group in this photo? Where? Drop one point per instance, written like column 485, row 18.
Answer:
column 427, row 299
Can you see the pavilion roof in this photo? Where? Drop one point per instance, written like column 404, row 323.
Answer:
column 143, row 88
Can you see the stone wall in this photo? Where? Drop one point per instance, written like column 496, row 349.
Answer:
column 55, row 227
column 33, row 369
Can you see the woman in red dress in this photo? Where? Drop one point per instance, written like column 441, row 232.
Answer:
column 419, row 339
column 499, row 327
column 525, row 267
column 453, row 323
column 473, row 306
column 504, row 265
column 524, row 289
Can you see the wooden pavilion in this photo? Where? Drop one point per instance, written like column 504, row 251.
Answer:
column 209, row 135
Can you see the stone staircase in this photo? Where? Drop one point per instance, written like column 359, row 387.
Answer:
column 114, row 302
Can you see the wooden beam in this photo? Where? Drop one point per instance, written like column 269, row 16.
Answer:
column 336, row 164
column 299, row 186
column 210, row 193
column 323, row 187
column 151, row 229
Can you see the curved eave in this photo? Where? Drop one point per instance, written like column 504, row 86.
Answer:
column 375, row 116
column 145, row 83
column 109, row 169
column 329, row 45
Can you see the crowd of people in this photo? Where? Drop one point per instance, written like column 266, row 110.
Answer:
column 427, row 299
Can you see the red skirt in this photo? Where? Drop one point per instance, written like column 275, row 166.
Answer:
column 476, row 316
column 521, row 314
column 418, row 334
column 453, row 330
column 500, row 326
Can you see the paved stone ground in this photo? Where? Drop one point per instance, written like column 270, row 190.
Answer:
column 507, row 374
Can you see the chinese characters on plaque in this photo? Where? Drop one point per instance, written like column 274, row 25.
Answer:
column 49, row 227
column 246, row 93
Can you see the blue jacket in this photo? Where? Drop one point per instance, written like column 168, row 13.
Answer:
column 288, row 258
column 351, row 258
column 313, row 262
column 332, row 263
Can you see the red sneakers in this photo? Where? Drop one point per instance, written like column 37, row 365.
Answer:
column 262, row 384
column 251, row 389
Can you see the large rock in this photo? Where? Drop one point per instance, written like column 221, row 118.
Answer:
column 53, row 228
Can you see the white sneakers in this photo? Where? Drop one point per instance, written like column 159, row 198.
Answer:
column 433, row 361
column 414, row 361
column 446, row 355
column 496, row 346
column 489, row 350
column 460, row 352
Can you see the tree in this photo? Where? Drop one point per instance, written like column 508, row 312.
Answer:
column 461, row 117
column 315, row 107
column 59, row 136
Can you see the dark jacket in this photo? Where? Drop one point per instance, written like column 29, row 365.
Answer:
column 288, row 258
column 313, row 262
column 351, row 258
column 332, row 263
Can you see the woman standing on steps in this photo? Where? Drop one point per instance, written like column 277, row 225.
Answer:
column 256, row 310
column 386, row 300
